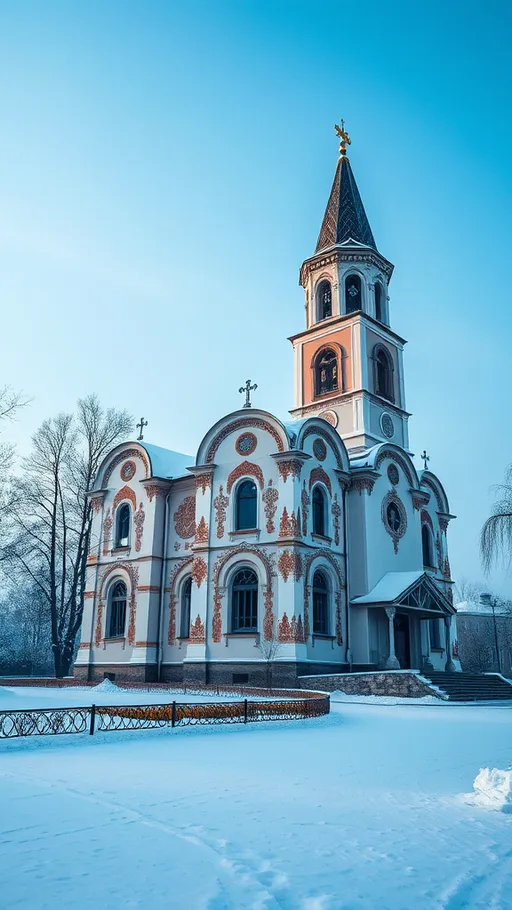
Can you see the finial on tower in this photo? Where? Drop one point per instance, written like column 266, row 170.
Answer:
column 344, row 138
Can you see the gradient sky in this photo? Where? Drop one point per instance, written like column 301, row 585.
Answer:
column 164, row 170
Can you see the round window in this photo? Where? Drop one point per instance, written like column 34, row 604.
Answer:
column 387, row 426
column 319, row 449
column 393, row 475
column 246, row 444
column 128, row 470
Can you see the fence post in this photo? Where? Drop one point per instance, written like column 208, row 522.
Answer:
column 93, row 718
column 173, row 715
column 245, row 710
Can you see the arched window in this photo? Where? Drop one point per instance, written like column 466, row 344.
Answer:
column 123, row 525
column 246, row 506
column 326, row 372
column 383, row 374
column 320, row 604
column 324, row 299
column 244, row 601
column 319, row 511
column 378, row 302
column 353, row 295
column 117, row 612
column 426, row 544
column 186, row 595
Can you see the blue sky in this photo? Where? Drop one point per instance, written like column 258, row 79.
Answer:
column 164, row 170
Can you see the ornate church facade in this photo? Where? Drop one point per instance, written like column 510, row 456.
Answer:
column 312, row 545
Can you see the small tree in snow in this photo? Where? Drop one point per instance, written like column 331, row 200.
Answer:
column 270, row 648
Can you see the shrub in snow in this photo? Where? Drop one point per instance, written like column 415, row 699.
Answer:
column 493, row 788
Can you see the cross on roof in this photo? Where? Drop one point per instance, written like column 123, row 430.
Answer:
column 140, row 426
column 247, row 388
column 426, row 459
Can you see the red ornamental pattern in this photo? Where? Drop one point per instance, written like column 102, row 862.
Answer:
column 99, row 621
column 307, row 595
column 291, row 631
column 202, row 532
column 289, row 525
column 318, row 475
column 419, row 499
column 197, row 636
column 134, row 579
column 268, row 619
column 218, row 593
column 107, row 530
column 138, row 520
column 443, row 523
column 339, row 635
column 128, row 470
column 291, row 466
column 336, row 515
column 95, row 504
column 220, row 504
column 199, row 571
column 185, row 518
column 246, row 444
column 204, row 481
column 240, row 424
column 270, row 498
column 125, row 493
column 362, row 483
column 128, row 453
column 245, row 469
column 305, row 500
column 290, row 563
column 319, row 431
column 154, row 489
column 426, row 519
column 180, row 564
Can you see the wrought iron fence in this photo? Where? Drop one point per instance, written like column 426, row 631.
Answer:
column 98, row 718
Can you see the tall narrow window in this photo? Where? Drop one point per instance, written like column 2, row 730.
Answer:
column 435, row 635
column 123, row 525
column 326, row 373
column 324, row 300
column 244, row 601
column 320, row 605
column 186, row 596
column 426, row 543
column 378, row 301
column 319, row 511
column 117, row 612
column 353, row 296
column 383, row 374
column 246, row 506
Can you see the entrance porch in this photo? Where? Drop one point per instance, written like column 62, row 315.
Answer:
column 409, row 623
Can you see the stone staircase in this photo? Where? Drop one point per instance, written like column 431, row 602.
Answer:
column 471, row 686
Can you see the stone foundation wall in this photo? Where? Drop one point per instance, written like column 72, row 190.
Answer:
column 403, row 685
column 117, row 672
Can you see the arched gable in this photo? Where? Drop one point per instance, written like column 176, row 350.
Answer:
column 386, row 450
column 237, row 422
column 434, row 485
column 123, row 452
column 319, row 427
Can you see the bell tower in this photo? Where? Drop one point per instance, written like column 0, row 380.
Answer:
column 348, row 361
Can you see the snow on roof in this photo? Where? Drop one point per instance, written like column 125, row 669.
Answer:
column 389, row 588
column 482, row 609
column 293, row 427
column 166, row 463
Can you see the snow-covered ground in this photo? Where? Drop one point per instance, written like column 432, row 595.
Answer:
column 365, row 808
column 105, row 693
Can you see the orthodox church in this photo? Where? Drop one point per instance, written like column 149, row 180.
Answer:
column 312, row 544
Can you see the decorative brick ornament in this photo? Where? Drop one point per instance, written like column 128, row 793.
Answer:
column 393, row 475
column 320, row 449
column 138, row 521
column 125, row 493
column 394, row 517
column 318, row 475
column 240, row 424
column 134, row 580
column 443, row 523
column 245, row 469
column 289, row 526
column 220, row 504
column 107, row 530
column 99, row 622
column 154, row 489
column 427, row 482
column 197, row 636
column 270, row 498
column 246, row 444
column 305, row 501
column 336, row 516
column 362, row 483
column 339, row 636
column 128, row 453
column 419, row 499
column 95, row 503
column 204, row 481
column 290, row 563
column 426, row 520
column 401, row 462
column 201, row 532
column 331, row 417
column 199, row 571
column 291, row 466
column 319, row 431
column 185, row 518
column 173, row 600
column 127, row 470
column 291, row 631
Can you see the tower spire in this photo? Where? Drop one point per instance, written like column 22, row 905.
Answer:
column 345, row 218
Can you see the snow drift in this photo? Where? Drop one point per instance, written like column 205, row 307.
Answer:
column 493, row 788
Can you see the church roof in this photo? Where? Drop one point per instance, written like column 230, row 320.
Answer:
column 166, row 463
column 345, row 218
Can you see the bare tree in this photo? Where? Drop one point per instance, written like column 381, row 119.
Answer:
column 25, row 640
column 270, row 648
column 466, row 590
column 51, row 519
column 496, row 535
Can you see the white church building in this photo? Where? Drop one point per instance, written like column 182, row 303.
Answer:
column 314, row 542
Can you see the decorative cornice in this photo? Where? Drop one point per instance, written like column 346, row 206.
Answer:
column 321, row 260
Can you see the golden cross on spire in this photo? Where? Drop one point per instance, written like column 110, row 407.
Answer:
column 344, row 138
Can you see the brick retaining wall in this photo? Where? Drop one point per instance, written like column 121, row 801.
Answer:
column 400, row 684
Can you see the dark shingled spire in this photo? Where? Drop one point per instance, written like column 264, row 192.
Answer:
column 345, row 217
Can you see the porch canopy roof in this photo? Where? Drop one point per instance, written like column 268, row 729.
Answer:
column 413, row 592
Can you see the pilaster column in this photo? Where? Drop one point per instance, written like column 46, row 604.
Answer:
column 392, row 661
column 449, row 665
